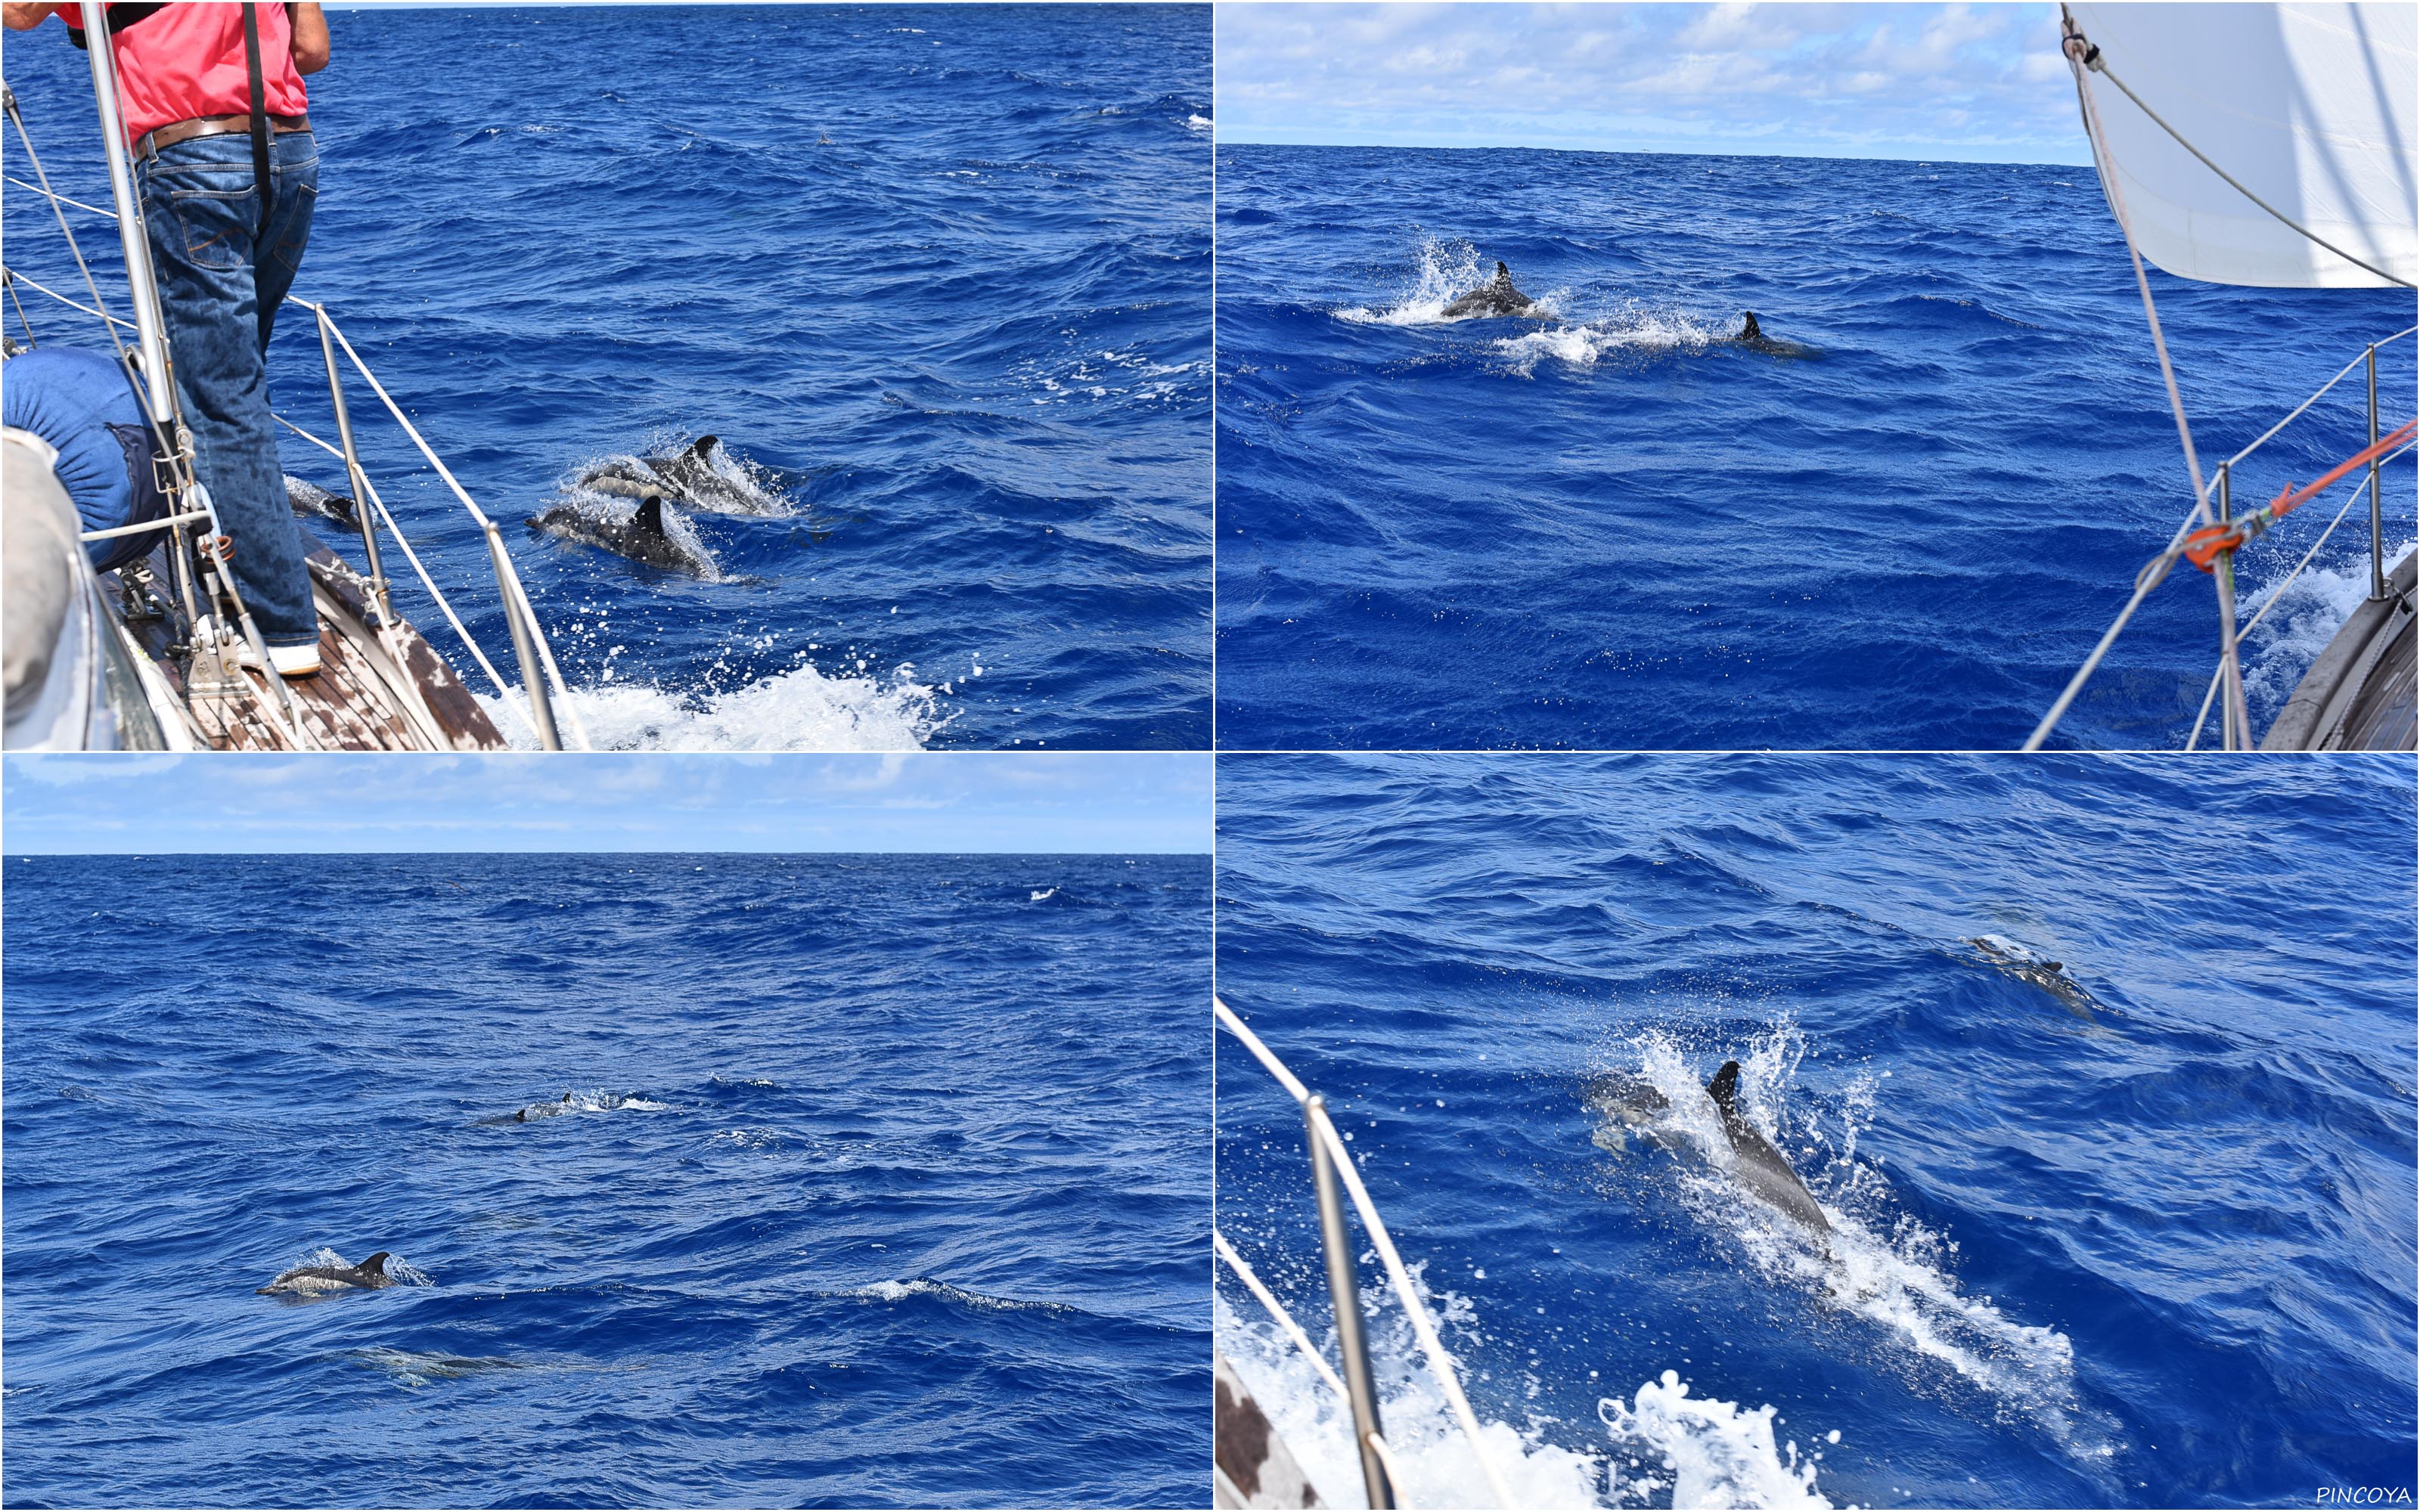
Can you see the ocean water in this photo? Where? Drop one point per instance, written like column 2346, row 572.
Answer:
column 938, row 277
column 1616, row 530
column 2143, row 1240
column 882, row 1183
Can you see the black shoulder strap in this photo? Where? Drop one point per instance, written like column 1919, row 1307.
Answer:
column 259, row 116
column 120, row 17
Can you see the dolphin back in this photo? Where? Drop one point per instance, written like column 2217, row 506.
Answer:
column 1763, row 1169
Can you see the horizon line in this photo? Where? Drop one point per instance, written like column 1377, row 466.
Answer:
column 1219, row 139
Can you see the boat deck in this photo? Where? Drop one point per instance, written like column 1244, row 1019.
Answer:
column 373, row 691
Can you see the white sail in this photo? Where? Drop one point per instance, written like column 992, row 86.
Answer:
column 2312, row 107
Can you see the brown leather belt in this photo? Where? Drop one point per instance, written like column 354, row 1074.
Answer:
column 149, row 143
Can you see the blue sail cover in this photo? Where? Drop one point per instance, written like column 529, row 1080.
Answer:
column 82, row 403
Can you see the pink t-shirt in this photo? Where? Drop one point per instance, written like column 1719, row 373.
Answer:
column 187, row 60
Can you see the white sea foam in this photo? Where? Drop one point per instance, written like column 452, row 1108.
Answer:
column 926, row 1286
column 1197, row 123
column 1633, row 328
column 1044, row 895
column 1705, row 1453
column 1438, row 1467
column 801, row 709
column 397, row 1267
column 2308, row 614
column 1446, row 270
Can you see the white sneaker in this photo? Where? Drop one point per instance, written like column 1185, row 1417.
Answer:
column 290, row 662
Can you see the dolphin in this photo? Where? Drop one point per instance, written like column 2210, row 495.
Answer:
column 686, row 477
column 305, row 498
column 1635, row 1104
column 534, row 1111
column 1761, row 1168
column 1495, row 297
column 311, row 1280
column 642, row 537
column 1751, row 336
column 2050, row 975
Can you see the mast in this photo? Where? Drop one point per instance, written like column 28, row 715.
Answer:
column 132, row 237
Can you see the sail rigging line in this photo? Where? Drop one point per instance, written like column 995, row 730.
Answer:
column 2095, row 60
column 2154, row 572
column 2077, row 50
column 39, row 287
column 111, row 216
column 6, row 278
column 2074, row 47
column 101, row 306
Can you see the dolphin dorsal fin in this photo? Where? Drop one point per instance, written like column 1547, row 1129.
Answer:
column 1724, row 1089
column 650, row 516
column 375, row 1265
column 1503, row 274
column 703, row 448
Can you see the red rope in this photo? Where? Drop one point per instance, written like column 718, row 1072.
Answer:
column 2204, row 547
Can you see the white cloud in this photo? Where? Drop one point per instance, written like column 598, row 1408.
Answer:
column 1922, row 81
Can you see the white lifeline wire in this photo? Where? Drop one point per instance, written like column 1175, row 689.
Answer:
column 1440, row 1362
column 1276, row 1310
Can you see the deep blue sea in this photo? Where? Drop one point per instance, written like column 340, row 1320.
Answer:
column 938, row 277
column 2146, row 1243
column 1611, row 531
column 883, row 1180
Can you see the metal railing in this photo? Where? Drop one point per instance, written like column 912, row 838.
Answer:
column 1331, row 1165
column 2217, row 506
column 547, row 710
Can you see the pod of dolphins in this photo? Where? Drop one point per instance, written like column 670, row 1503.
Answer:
column 371, row 1273
column 1498, row 298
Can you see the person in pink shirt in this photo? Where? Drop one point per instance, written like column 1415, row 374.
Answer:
column 227, row 192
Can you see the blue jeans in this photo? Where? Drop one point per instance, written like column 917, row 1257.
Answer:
column 221, row 282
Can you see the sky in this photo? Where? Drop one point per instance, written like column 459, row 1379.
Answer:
column 947, row 802
column 1943, row 83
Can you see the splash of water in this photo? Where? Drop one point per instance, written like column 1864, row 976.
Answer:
column 801, row 709
column 1878, row 1263
column 1711, row 1454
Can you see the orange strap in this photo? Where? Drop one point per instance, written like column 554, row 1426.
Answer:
column 2204, row 547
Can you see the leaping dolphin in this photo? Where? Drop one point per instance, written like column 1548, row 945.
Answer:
column 686, row 477
column 1495, row 298
column 1635, row 1102
column 307, row 497
column 642, row 537
column 312, row 1280
column 1761, row 1168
